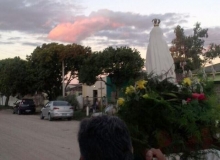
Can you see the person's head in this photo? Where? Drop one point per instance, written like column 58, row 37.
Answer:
column 104, row 138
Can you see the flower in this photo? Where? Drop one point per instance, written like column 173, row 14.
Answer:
column 187, row 81
column 198, row 96
column 157, row 109
column 140, row 84
column 130, row 90
column 201, row 97
column 188, row 100
column 121, row 101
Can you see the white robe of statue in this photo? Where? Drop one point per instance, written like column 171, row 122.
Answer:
column 158, row 59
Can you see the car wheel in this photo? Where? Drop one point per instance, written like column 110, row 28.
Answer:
column 13, row 111
column 19, row 112
column 41, row 116
column 49, row 117
column 69, row 119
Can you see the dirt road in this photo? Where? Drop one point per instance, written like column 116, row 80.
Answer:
column 26, row 137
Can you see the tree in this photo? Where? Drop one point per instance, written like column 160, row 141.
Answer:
column 46, row 62
column 212, row 52
column 91, row 69
column 189, row 49
column 120, row 64
column 73, row 57
column 15, row 78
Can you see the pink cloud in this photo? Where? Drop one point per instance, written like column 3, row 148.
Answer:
column 82, row 28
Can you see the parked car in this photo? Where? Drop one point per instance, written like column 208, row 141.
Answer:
column 57, row 110
column 24, row 106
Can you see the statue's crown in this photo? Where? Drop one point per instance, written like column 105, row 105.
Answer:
column 156, row 22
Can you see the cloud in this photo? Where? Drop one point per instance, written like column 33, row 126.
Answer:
column 213, row 36
column 14, row 38
column 30, row 16
column 32, row 44
column 4, row 42
column 82, row 28
column 116, row 27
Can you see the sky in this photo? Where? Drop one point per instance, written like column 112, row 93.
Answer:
column 26, row 24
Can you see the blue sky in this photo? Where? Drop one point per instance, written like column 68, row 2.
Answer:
column 26, row 24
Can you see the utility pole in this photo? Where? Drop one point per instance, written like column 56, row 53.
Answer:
column 101, row 88
column 63, row 85
column 101, row 93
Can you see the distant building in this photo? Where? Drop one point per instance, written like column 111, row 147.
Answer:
column 213, row 73
column 98, row 91
column 74, row 89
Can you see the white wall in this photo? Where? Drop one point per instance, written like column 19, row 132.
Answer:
column 88, row 90
column 11, row 101
column 80, row 100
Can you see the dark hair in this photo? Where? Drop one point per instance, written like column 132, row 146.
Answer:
column 104, row 138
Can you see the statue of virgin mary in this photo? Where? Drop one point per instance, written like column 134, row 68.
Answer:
column 158, row 59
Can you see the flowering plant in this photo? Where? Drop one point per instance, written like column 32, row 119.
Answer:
column 172, row 117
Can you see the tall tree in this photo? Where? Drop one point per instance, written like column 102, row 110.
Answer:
column 188, row 50
column 15, row 78
column 120, row 64
column 46, row 64
column 73, row 57
column 91, row 69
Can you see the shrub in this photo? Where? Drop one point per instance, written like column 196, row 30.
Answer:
column 175, row 118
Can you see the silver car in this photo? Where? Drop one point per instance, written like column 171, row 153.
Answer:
column 57, row 109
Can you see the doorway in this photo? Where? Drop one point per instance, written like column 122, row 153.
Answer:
column 95, row 94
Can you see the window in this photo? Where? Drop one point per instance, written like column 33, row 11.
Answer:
column 27, row 101
column 61, row 103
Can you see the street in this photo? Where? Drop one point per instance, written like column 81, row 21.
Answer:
column 27, row 137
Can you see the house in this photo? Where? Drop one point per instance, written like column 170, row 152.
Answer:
column 95, row 92
column 74, row 89
column 100, row 92
column 11, row 101
column 213, row 73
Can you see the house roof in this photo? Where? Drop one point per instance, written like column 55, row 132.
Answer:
column 73, row 86
column 209, row 72
column 208, row 69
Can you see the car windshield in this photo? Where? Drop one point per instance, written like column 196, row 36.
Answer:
column 27, row 101
column 61, row 103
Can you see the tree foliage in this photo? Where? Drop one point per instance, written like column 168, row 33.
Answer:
column 48, row 69
column 189, row 49
column 212, row 52
column 91, row 69
column 120, row 64
column 15, row 78
column 74, row 56
column 46, row 62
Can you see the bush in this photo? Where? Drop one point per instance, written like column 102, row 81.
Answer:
column 175, row 118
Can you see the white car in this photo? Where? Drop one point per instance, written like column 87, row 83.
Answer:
column 57, row 110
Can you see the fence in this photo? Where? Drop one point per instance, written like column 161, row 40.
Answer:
column 102, row 102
